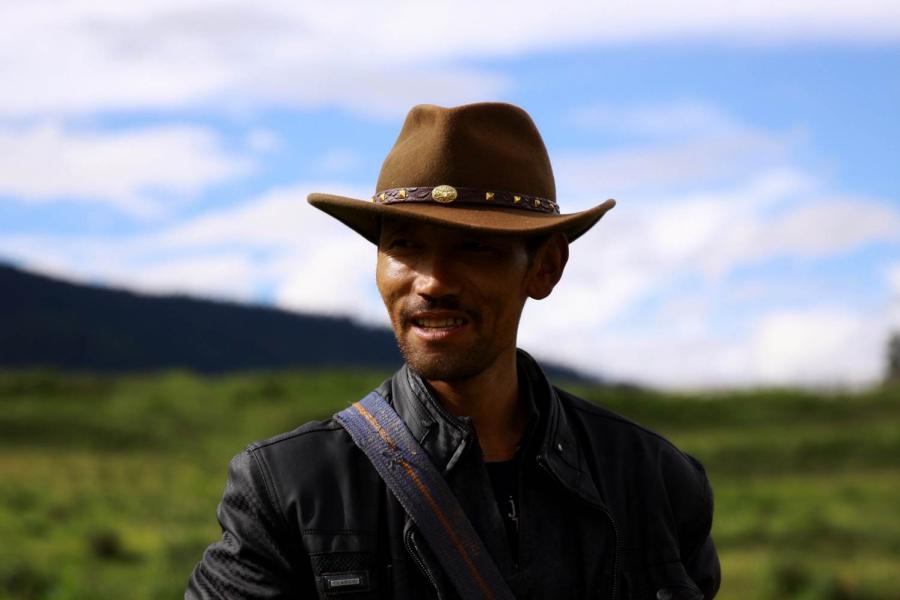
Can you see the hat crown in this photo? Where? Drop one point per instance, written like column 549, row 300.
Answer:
column 489, row 145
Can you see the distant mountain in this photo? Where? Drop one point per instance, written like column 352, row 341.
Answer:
column 54, row 323
column 45, row 321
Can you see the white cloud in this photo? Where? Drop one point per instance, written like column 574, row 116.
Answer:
column 662, row 358
column 817, row 228
column 638, row 248
column 640, row 251
column 382, row 91
column 337, row 277
column 263, row 140
column 277, row 243
column 84, row 57
column 280, row 218
column 681, row 118
column 892, row 275
column 337, row 160
column 685, row 344
column 309, row 261
column 810, row 346
column 223, row 274
column 127, row 169
column 818, row 346
column 80, row 57
column 701, row 161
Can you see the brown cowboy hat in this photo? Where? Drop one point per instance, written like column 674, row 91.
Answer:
column 478, row 166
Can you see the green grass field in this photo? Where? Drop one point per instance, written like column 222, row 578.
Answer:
column 108, row 485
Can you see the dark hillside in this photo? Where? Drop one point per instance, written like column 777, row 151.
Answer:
column 53, row 323
column 48, row 322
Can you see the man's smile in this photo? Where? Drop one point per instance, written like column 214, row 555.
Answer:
column 437, row 323
column 435, row 326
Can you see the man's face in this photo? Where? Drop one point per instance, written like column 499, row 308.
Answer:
column 454, row 297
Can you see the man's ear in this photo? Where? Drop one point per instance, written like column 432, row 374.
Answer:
column 548, row 265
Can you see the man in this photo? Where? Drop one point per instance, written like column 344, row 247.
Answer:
column 568, row 499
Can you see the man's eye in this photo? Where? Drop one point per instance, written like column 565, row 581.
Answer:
column 400, row 243
column 478, row 248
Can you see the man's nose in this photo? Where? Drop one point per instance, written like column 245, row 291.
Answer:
column 436, row 276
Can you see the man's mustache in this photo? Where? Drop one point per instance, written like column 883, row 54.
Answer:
column 453, row 303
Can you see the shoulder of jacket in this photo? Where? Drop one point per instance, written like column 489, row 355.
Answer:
column 320, row 446
column 310, row 432
column 599, row 416
column 655, row 462
column 313, row 465
column 615, row 428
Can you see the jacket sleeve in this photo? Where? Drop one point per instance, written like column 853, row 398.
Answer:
column 703, row 567
column 699, row 555
column 254, row 558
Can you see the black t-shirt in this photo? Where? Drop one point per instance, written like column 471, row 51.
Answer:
column 505, row 481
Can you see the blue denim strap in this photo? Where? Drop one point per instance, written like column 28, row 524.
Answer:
column 409, row 473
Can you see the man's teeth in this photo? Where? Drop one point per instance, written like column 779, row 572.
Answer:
column 438, row 323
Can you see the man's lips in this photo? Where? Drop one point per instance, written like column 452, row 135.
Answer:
column 435, row 325
column 438, row 323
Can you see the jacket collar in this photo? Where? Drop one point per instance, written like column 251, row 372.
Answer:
column 550, row 436
column 443, row 436
column 559, row 448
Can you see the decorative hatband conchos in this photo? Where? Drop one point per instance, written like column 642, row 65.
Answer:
column 446, row 194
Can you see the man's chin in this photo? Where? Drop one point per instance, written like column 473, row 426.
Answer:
column 446, row 366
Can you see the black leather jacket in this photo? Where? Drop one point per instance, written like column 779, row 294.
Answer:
column 608, row 509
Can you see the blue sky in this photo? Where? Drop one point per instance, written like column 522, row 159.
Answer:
column 168, row 147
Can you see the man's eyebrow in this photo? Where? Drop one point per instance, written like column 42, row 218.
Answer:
column 393, row 225
column 489, row 240
column 395, row 228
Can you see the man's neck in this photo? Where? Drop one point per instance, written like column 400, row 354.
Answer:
column 491, row 399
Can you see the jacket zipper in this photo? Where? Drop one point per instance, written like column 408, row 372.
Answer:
column 413, row 551
column 615, row 583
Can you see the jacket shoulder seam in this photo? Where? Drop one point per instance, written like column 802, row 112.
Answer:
column 585, row 406
column 316, row 531
column 322, row 427
column 271, row 492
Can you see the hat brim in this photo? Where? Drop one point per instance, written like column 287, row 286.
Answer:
column 365, row 217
